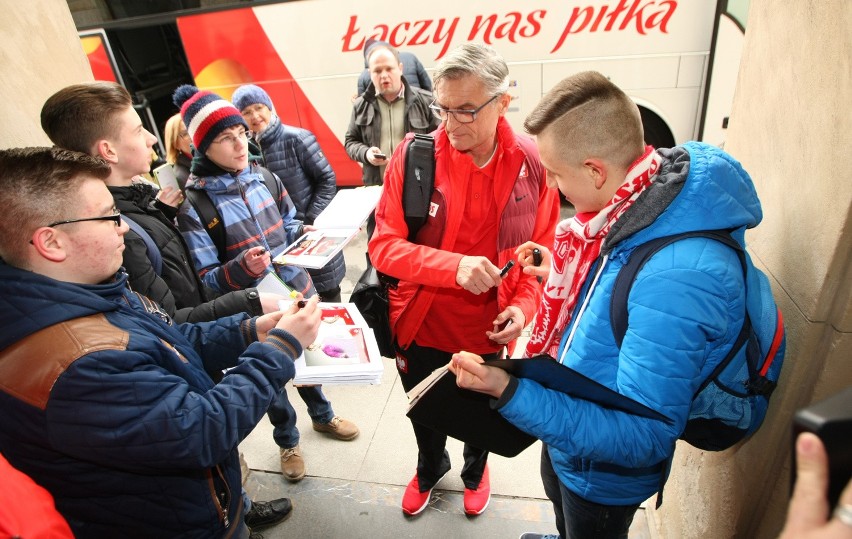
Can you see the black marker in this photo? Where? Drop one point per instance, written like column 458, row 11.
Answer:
column 537, row 261
column 506, row 268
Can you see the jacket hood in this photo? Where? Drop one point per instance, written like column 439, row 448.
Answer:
column 139, row 194
column 699, row 187
column 30, row 301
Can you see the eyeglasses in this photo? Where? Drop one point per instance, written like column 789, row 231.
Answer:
column 232, row 139
column 115, row 218
column 462, row 116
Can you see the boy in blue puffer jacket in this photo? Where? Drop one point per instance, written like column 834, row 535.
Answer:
column 687, row 304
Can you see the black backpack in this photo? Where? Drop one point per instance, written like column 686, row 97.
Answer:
column 209, row 214
column 370, row 294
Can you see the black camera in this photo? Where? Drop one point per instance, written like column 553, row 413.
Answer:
column 831, row 420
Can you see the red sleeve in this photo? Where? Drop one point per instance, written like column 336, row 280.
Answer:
column 391, row 252
column 528, row 291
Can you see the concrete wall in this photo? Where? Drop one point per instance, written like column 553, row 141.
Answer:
column 41, row 54
column 790, row 127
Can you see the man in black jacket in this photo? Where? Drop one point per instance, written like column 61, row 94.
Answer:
column 99, row 119
column 383, row 114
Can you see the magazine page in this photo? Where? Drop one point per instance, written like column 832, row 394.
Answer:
column 345, row 351
column 315, row 249
column 349, row 208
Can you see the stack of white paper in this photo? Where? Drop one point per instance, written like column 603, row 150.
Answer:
column 345, row 351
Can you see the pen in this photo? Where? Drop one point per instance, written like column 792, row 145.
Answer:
column 301, row 303
column 506, row 268
column 537, row 261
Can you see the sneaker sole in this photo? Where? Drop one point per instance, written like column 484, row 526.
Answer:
column 428, row 499
column 484, row 507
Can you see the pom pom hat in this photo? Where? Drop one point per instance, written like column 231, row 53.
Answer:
column 249, row 94
column 205, row 114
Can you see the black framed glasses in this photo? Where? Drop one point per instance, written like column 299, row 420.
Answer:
column 462, row 116
column 115, row 218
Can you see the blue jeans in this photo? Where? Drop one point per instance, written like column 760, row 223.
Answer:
column 577, row 518
column 283, row 416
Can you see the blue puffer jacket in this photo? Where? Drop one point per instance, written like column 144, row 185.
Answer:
column 686, row 308
column 251, row 218
column 296, row 157
column 118, row 419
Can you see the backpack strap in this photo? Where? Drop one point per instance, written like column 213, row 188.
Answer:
column 640, row 255
column 210, row 218
column 154, row 254
column 272, row 184
column 418, row 183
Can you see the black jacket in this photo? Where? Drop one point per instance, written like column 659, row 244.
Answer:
column 178, row 290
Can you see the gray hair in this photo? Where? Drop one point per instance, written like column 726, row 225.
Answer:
column 475, row 59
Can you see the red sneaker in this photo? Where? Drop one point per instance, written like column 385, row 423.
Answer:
column 476, row 500
column 414, row 501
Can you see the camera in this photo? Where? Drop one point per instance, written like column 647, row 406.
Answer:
column 831, row 420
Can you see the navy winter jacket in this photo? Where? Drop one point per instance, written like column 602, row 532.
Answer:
column 108, row 406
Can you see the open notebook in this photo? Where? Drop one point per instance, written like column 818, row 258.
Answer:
column 338, row 223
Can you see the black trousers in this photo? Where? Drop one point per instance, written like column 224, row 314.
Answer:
column 433, row 461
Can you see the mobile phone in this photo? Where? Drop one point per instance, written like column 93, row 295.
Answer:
column 379, row 156
column 831, row 420
column 165, row 175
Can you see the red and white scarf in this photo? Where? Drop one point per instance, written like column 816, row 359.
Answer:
column 576, row 246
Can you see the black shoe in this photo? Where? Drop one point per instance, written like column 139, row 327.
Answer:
column 265, row 514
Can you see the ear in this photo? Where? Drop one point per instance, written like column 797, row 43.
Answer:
column 503, row 103
column 597, row 171
column 103, row 148
column 49, row 244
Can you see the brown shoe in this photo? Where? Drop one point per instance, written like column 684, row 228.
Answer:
column 340, row 428
column 292, row 463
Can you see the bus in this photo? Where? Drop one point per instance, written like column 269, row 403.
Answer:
column 677, row 59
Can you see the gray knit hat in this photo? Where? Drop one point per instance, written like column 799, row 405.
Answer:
column 249, row 94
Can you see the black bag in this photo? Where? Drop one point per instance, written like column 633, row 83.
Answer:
column 370, row 294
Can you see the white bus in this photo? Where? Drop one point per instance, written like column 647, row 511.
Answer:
column 678, row 59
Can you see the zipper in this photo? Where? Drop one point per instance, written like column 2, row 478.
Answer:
column 575, row 321
column 221, row 498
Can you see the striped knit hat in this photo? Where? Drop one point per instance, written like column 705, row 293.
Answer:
column 205, row 115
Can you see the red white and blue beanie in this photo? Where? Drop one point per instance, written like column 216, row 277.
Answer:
column 205, row 114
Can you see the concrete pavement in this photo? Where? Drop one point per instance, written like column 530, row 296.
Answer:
column 354, row 489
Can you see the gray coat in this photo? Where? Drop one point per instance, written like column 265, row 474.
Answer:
column 365, row 125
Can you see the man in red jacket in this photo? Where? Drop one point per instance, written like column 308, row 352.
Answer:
column 490, row 196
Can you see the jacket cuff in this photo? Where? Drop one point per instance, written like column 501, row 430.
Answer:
column 253, row 298
column 248, row 329
column 284, row 342
column 507, row 395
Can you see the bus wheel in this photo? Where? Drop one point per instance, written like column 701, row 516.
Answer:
column 657, row 133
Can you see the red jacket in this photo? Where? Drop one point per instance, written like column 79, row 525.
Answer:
column 27, row 509
column 529, row 211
